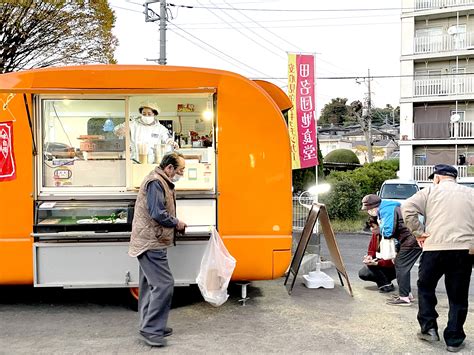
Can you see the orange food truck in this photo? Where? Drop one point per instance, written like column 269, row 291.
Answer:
column 66, row 211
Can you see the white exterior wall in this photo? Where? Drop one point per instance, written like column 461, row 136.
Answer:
column 408, row 35
column 406, row 121
column 406, row 81
column 406, row 161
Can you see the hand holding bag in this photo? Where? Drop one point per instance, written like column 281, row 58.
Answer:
column 217, row 266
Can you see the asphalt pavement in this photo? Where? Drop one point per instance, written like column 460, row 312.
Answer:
column 46, row 321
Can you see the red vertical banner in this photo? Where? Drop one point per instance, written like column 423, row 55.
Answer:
column 7, row 156
column 302, row 118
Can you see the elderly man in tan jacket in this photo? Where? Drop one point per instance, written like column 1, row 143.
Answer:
column 446, row 237
column 153, row 231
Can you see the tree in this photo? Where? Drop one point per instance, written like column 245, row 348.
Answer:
column 388, row 114
column 39, row 33
column 342, row 156
column 336, row 112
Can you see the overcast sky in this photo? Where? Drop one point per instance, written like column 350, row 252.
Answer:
column 224, row 34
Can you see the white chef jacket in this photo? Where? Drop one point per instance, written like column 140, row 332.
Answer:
column 149, row 135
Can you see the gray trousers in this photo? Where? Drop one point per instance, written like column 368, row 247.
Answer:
column 403, row 264
column 156, row 291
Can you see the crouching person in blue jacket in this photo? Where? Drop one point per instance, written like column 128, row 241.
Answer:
column 391, row 225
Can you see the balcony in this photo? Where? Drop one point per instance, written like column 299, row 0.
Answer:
column 444, row 86
column 443, row 130
column 421, row 5
column 462, row 130
column 443, row 43
column 421, row 172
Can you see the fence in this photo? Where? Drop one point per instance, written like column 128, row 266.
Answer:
column 300, row 212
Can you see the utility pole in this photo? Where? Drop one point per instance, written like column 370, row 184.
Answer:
column 369, row 119
column 152, row 16
column 363, row 114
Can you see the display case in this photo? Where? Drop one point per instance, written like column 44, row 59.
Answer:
column 97, row 217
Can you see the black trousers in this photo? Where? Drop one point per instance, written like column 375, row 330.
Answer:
column 382, row 276
column 456, row 266
column 403, row 264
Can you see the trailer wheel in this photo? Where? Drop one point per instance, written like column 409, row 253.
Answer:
column 133, row 298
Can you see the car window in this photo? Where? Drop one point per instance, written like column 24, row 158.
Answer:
column 398, row 191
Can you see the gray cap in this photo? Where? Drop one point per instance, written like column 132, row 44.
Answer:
column 370, row 201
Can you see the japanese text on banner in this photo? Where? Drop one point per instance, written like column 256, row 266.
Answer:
column 7, row 157
column 301, row 118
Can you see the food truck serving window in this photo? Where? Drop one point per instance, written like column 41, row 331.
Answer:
column 84, row 141
column 79, row 145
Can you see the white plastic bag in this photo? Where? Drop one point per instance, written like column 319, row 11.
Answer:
column 217, row 266
column 387, row 249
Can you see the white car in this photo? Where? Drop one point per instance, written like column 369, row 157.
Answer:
column 398, row 189
column 466, row 181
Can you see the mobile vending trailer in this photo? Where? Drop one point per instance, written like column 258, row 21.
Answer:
column 66, row 216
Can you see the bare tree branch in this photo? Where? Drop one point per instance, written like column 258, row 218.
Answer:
column 38, row 33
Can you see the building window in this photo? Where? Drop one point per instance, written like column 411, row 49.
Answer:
column 420, row 159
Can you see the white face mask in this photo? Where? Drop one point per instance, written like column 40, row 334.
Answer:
column 147, row 119
column 372, row 212
column 176, row 178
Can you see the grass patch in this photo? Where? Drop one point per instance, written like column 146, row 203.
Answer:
column 350, row 225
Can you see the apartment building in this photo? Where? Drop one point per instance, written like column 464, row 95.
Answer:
column 437, row 87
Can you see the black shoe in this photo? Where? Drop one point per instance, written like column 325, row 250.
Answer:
column 387, row 288
column 153, row 340
column 454, row 349
column 431, row 335
column 168, row 332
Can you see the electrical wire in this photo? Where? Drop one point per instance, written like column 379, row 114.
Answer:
column 245, row 35
column 255, row 33
column 281, row 38
column 124, row 8
column 292, row 45
column 297, row 10
column 373, row 76
column 301, row 26
column 298, row 20
column 205, row 49
column 218, row 50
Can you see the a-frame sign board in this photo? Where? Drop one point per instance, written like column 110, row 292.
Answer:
column 318, row 211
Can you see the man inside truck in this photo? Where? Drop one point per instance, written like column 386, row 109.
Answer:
column 153, row 231
column 146, row 132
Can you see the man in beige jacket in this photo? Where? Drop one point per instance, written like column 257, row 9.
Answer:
column 153, row 231
column 446, row 237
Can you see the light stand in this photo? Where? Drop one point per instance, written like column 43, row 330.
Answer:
column 317, row 278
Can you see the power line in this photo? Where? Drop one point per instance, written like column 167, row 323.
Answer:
column 298, row 20
column 281, row 38
column 302, row 26
column 276, row 35
column 294, row 10
column 254, row 32
column 243, row 34
column 205, row 49
column 374, row 76
column 217, row 50
column 200, row 46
